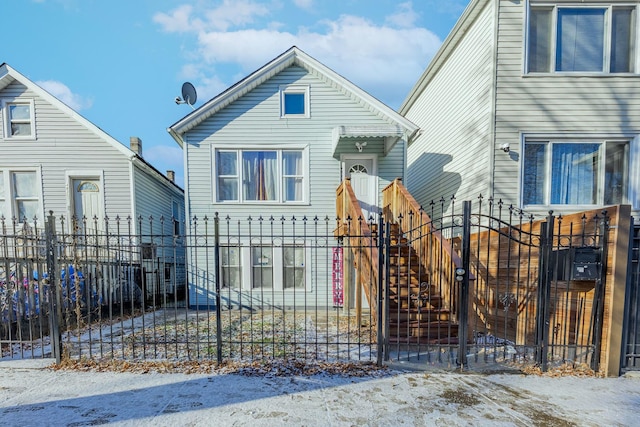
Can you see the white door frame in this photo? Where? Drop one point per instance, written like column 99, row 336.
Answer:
column 373, row 173
column 71, row 175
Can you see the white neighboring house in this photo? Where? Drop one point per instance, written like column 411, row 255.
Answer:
column 298, row 129
column 54, row 160
column 533, row 102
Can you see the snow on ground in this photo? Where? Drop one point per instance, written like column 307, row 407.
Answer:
column 32, row 394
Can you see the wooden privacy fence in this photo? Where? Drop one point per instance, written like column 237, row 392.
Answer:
column 520, row 288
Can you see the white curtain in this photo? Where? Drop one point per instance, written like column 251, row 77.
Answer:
column 259, row 174
column 574, row 177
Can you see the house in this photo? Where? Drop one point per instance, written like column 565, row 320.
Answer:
column 277, row 144
column 53, row 160
column 532, row 103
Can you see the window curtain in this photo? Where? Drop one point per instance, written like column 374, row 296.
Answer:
column 260, row 172
column 574, row 177
column 292, row 167
column 580, row 39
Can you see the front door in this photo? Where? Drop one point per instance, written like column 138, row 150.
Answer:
column 87, row 202
column 364, row 181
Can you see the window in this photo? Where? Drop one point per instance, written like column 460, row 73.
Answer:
column 20, row 195
column 258, row 267
column 262, row 267
column 231, row 266
column 575, row 172
column 581, row 39
column 253, row 176
column 294, row 101
column 19, row 119
column 175, row 217
column 293, row 264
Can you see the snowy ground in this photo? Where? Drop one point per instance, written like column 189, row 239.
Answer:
column 32, row 394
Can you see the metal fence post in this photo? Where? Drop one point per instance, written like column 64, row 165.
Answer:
column 53, row 292
column 381, row 290
column 462, row 276
column 216, row 260
column 545, row 269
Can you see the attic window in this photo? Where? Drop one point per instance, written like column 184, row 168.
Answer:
column 294, row 101
column 18, row 119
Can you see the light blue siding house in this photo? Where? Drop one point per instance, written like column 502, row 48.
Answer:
column 54, row 160
column 278, row 144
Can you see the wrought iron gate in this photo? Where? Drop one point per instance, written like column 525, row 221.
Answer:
column 493, row 285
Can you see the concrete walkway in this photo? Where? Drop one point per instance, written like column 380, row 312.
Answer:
column 33, row 394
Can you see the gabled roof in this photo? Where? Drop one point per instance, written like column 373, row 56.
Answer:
column 468, row 17
column 8, row 75
column 292, row 56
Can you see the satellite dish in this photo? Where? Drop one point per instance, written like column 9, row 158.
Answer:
column 189, row 95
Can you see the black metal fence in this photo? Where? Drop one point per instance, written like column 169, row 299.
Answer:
column 523, row 291
column 493, row 284
column 224, row 290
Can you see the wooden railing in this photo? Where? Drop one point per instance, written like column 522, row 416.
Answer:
column 435, row 253
column 360, row 243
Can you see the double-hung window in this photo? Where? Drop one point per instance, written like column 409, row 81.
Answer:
column 263, row 267
column 276, row 176
column 19, row 195
column 581, row 38
column 19, row 121
column 574, row 172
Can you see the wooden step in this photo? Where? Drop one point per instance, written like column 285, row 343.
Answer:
column 420, row 315
column 405, row 291
column 404, row 303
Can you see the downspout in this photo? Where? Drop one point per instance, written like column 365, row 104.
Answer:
column 492, row 124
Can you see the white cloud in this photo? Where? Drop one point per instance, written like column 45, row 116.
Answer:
column 164, row 158
column 230, row 13
column 405, row 17
column 304, row 4
column 64, row 94
column 385, row 60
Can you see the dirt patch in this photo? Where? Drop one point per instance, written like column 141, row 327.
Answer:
column 460, row 397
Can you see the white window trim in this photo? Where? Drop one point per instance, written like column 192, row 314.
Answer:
column 279, row 202
column 633, row 184
column 246, row 268
column 6, row 122
column 607, row 36
column 297, row 88
column 9, row 199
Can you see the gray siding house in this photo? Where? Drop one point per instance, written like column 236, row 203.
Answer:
column 278, row 144
column 54, row 160
column 534, row 103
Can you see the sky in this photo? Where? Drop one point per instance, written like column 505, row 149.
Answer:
column 122, row 63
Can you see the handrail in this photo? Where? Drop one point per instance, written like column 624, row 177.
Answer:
column 435, row 252
column 360, row 240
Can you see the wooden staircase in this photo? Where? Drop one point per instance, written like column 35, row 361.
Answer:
column 417, row 314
